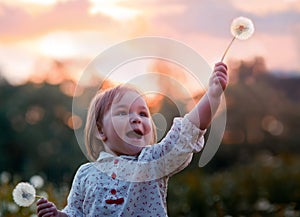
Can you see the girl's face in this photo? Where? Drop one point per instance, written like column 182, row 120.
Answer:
column 127, row 126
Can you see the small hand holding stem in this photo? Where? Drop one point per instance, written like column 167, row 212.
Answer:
column 46, row 209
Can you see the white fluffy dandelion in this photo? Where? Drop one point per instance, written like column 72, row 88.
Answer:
column 241, row 28
column 24, row 194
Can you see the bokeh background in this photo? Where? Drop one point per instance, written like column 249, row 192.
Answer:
column 46, row 45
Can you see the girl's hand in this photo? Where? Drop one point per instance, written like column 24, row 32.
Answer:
column 46, row 209
column 218, row 81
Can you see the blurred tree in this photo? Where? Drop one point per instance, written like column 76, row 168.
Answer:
column 37, row 136
column 262, row 113
column 35, row 132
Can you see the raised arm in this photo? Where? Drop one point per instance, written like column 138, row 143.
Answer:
column 204, row 111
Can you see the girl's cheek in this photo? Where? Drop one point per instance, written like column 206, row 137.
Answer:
column 148, row 128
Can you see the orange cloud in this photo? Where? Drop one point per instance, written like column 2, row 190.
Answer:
column 32, row 7
column 17, row 24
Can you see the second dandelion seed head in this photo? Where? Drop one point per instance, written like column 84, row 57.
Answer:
column 242, row 28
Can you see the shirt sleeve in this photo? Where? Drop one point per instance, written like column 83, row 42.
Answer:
column 76, row 195
column 175, row 151
column 186, row 136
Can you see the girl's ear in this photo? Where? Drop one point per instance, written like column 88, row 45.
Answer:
column 100, row 134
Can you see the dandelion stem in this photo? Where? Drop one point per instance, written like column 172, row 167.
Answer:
column 228, row 48
column 38, row 196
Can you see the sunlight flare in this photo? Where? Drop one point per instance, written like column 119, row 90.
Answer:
column 113, row 9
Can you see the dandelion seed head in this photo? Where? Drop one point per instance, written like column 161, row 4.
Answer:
column 242, row 28
column 24, row 194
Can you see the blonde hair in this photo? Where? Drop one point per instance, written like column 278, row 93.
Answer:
column 100, row 104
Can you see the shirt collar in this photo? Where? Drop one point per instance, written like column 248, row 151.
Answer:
column 105, row 155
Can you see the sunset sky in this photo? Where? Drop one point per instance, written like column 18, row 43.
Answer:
column 33, row 31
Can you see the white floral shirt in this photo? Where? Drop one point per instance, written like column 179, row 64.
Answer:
column 134, row 186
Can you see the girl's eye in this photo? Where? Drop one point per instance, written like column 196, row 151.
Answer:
column 122, row 113
column 144, row 114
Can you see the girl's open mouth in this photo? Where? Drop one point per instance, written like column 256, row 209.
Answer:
column 138, row 134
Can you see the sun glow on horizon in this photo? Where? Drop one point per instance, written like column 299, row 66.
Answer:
column 67, row 44
column 113, row 9
column 57, row 45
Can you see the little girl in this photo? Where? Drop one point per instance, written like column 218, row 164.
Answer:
column 130, row 171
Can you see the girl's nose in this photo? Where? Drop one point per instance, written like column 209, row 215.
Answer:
column 134, row 118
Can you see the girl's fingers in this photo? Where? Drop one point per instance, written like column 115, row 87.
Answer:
column 46, row 209
column 221, row 75
column 46, row 212
column 42, row 200
column 43, row 206
column 221, row 64
column 221, row 68
column 220, row 79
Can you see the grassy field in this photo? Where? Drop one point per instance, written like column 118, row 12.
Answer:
column 269, row 186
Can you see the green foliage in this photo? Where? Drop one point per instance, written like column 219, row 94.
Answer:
column 263, row 188
column 35, row 137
